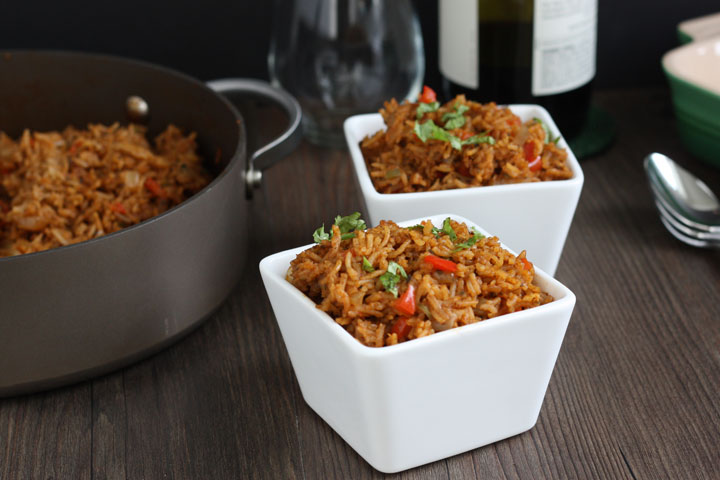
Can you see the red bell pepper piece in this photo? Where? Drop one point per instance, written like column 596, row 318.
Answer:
column 428, row 95
column 534, row 160
column 535, row 165
column 406, row 303
column 152, row 185
column 401, row 328
column 441, row 264
column 118, row 207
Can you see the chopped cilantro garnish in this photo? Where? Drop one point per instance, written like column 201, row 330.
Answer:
column 396, row 269
column 429, row 130
column 424, row 108
column 548, row 136
column 319, row 235
column 448, row 230
column 470, row 242
column 455, row 119
column 350, row 223
column 454, row 122
column 389, row 280
column 347, row 226
column 477, row 139
column 416, row 227
column 456, row 143
column 366, row 265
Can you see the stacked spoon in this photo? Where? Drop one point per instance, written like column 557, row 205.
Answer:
column 688, row 208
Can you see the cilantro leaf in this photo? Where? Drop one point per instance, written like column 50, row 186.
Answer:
column 424, row 108
column 456, row 143
column 389, row 280
column 319, row 235
column 366, row 265
column 416, row 227
column 548, row 136
column 347, row 226
column 396, row 269
column 350, row 223
column 455, row 122
column 545, row 129
column 455, row 119
column 477, row 139
column 424, row 130
column 440, row 134
column 470, row 242
column 429, row 130
column 448, row 230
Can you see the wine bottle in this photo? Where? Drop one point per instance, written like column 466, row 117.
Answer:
column 521, row 51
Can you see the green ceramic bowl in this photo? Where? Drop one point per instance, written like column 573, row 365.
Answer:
column 693, row 71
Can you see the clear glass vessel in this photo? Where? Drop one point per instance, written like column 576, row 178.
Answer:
column 344, row 57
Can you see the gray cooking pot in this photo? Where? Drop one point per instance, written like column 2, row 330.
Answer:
column 74, row 312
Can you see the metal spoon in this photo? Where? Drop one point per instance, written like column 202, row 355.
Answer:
column 678, row 228
column 688, row 193
column 666, row 205
column 690, row 240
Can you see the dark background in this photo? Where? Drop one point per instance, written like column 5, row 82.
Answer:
column 213, row 38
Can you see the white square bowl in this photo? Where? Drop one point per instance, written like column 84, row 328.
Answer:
column 426, row 399
column 526, row 216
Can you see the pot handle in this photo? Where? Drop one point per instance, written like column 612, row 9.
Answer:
column 287, row 142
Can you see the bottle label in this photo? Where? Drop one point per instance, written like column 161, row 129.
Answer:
column 458, row 42
column 564, row 42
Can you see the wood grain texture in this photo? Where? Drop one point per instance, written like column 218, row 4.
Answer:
column 634, row 393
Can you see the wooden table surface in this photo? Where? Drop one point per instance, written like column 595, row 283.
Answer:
column 635, row 392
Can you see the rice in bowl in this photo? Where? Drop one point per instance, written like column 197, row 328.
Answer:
column 390, row 284
column 427, row 146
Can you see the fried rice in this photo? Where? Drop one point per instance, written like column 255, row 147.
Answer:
column 468, row 145
column 59, row 188
column 391, row 284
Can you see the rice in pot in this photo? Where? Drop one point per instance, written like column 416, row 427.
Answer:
column 59, row 188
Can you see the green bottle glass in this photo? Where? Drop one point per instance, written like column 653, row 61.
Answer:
column 521, row 51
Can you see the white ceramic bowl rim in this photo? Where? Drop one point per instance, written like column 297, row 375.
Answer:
column 439, row 337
